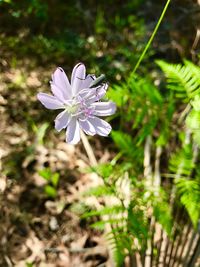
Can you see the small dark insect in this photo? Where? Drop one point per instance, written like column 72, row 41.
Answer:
column 98, row 81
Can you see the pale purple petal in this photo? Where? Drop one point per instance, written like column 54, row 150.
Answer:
column 78, row 77
column 104, row 108
column 49, row 101
column 88, row 94
column 73, row 132
column 101, row 127
column 94, row 94
column 87, row 127
column 57, row 92
column 101, row 91
column 63, row 87
column 88, row 80
column 62, row 120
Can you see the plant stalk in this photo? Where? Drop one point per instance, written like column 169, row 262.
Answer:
column 88, row 149
column 152, row 37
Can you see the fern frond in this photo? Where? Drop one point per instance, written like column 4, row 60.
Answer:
column 162, row 213
column 137, row 224
column 124, row 142
column 194, row 69
column 100, row 225
column 112, row 210
column 184, row 79
column 189, row 191
column 143, row 91
column 103, row 170
column 98, row 191
column 181, row 162
column 121, row 244
column 118, row 94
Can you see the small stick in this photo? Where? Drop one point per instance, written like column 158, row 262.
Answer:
column 147, row 162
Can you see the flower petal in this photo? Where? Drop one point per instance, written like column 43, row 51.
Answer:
column 88, row 80
column 88, row 94
column 87, row 127
column 62, row 120
column 49, row 101
column 104, row 108
column 57, row 92
column 63, row 88
column 93, row 94
column 78, row 77
column 73, row 132
column 101, row 127
column 101, row 91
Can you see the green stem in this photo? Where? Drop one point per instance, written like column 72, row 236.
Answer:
column 152, row 37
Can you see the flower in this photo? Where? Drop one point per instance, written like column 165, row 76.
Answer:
column 79, row 102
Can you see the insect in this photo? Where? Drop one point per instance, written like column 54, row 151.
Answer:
column 98, row 81
column 100, row 84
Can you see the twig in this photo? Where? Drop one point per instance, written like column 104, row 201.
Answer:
column 184, row 113
column 157, row 178
column 147, row 161
column 195, row 43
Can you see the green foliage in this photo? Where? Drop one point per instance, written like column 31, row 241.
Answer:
column 103, row 170
column 101, row 190
column 137, row 223
column 146, row 104
column 163, row 213
column 189, row 192
column 124, row 143
column 40, row 132
column 183, row 79
column 128, row 217
column 52, row 182
column 6, row 1
column 145, row 112
column 142, row 104
column 118, row 94
column 40, row 8
column 116, row 209
column 193, row 118
column 181, row 162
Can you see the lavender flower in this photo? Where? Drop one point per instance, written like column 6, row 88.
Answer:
column 79, row 102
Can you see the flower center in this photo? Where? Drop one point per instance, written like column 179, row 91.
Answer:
column 72, row 109
column 78, row 107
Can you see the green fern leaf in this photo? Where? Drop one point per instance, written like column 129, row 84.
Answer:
column 124, row 142
column 189, row 191
column 100, row 190
column 184, row 79
column 105, row 211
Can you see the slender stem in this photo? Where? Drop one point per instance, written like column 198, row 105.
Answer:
column 152, row 37
column 88, row 149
